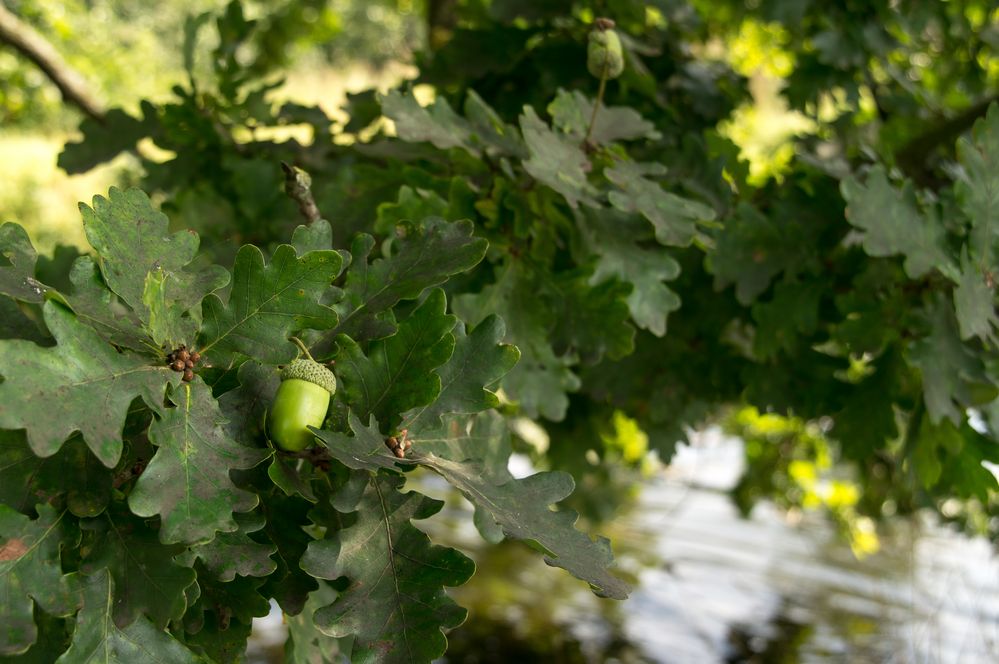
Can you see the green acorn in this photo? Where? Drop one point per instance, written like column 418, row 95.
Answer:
column 301, row 401
column 604, row 56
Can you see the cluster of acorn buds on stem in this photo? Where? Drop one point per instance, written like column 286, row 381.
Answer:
column 183, row 361
column 399, row 444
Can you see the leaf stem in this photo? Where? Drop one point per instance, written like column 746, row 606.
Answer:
column 302, row 346
column 596, row 104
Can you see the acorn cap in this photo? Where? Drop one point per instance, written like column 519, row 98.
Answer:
column 312, row 372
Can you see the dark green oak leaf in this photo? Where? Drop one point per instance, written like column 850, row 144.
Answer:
column 187, row 481
column 147, row 266
column 977, row 185
column 437, row 124
column 485, row 439
column 286, row 518
column 268, row 303
column 540, row 380
column 950, row 369
column 245, row 407
column 557, row 161
column 571, row 112
column 792, row 313
column 147, row 579
column 83, row 379
column 238, row 600
column 752, row 249
column 395, row 605
column 105, row 139
column 31, row 573
column 364, row 450
column 619, row 241
column 218, row 645
column 591, row 320
column 17, row 265
column 52, row 641
column 519, row 507
column 16, row 324
column 497, row 137
column 27, row 479
column 426, row 256
column 316, row 236
column 98, row 639
column 94, row 304
column 412, row 204
column 397, row 373
column 974, row 302
column 675, row 218
column 235, row 553
column 892, row 223
column 479, row 360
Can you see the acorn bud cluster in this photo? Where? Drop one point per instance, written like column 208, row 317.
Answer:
column 399, row 444
column 183, row 361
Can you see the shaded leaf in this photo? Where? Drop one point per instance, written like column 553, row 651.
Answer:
column 974, row 303
column 94, row 304
column 617, row 240
column 540, row 380
column 235, row 553
column 479, row 360
column 395, row 606
column 521, row 509
column 289, row 585
column 98, row 639
column 752, row 249
column 555, row 160
column 437, row 124
column 426, row 256
column 103, row 141
column 17, row 265
column 69, row 379
column 977, row 185
column 397, row 373
column 26, row 479
column 31, row 573
column 591, row 320
column 571, row 112
column 187, row 481
column 147, row 267
column 949, row 368
column 147, row 579
column 269, row 303
column 674, row 218
column 245, row 407
column 892, row 223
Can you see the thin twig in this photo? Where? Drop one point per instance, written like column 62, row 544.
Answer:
column 298, row 185
column 303, row 347
column 28, row 42
column 596, row 107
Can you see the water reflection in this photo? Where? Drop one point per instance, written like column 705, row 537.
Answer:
column 713, row 587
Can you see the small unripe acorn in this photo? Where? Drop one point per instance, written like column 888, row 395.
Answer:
column 604, row 55
column 195, row 356
column 188, row 375
column 301, row 401
column 182, row 354
column 178, row 365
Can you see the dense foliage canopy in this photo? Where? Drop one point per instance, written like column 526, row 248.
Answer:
column 515, row 235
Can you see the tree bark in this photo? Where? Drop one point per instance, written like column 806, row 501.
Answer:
column 33, row 46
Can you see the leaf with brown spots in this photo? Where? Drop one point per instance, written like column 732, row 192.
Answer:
column 30, row 573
